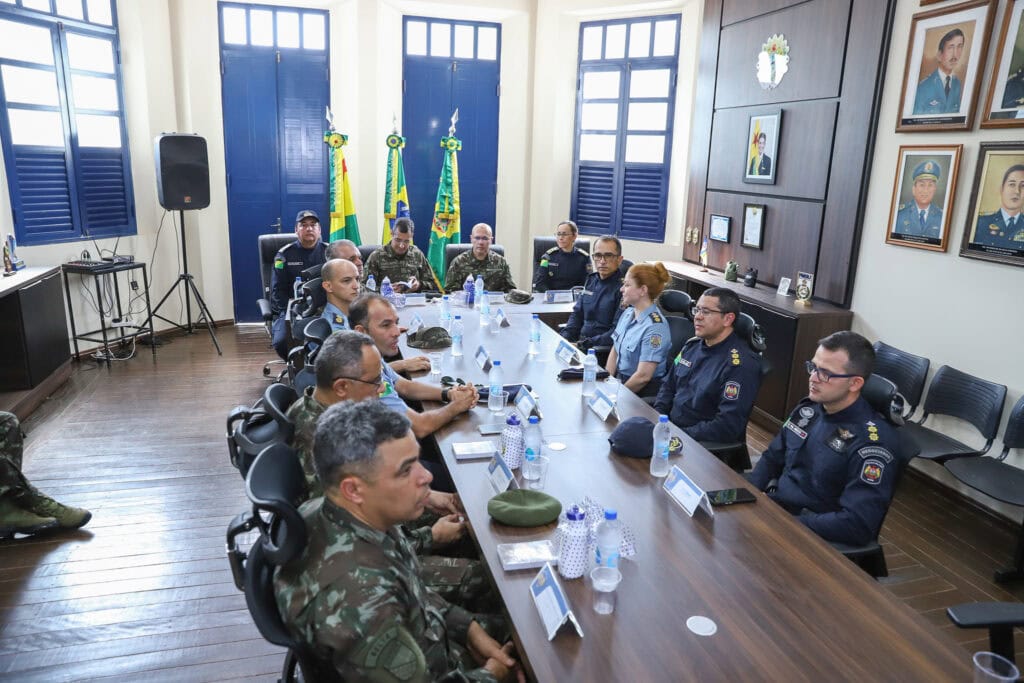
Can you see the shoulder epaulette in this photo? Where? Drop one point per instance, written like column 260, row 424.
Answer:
column 552, row 250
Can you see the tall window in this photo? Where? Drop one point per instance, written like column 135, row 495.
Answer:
column 625, row 101
column 62, row 120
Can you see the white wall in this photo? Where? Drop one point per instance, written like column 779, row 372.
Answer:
column 956, row 311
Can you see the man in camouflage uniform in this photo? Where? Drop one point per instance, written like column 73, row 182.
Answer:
column 402, row 261
column 355, row 596
column 348, row 369
column 23, row 509
column 480, row 260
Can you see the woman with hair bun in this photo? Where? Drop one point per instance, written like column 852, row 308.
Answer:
column 642, row 337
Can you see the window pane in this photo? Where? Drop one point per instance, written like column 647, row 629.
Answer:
column 665, row 38
column 615, row 42
column 35, row 127
column 94, row 93
column 98, row 131
column 234, row 25
column 597, row 148
column 25, row 42
column 440, row 40
column 90, row 54
column 99, row 12
column 601, row 84
column 287, row 29
column 640, row 39
column 648, row 83
column 487, row 42
column 592, row 42
column 648, row 116
column 9, row 2
column 314, row 33
column 463, row 41
column 645, row 149
column 599, row 116
column 261, row 27
column 30, row 86
column 416, row 38
column 41, row 5
column 70, row 8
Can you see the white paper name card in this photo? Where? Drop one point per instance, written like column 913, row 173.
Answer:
column 501, row 318
column 483, row 359
column 601, row 405
column 551, row 603
column 499, row 474
column 565, row 352
column 558, row 296
column 525, row 402
column 415, row 299
column 682, row 490
column 415, row 324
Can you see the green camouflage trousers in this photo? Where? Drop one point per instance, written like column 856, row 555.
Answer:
column 11, row 443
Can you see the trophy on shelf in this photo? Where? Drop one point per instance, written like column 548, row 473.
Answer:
column 804, row 288
column 11, row 260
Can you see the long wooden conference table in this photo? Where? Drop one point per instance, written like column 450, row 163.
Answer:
column 787, row 606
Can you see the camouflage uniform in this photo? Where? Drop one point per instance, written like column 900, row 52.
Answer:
column 12, row 481
column 494, row 268
column 413, row 264
column 356, row 597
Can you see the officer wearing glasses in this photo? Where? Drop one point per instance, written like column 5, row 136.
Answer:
column 564, row 266
column 833, row 458
column 289, row 262
column 598, row 307
column 711, row 387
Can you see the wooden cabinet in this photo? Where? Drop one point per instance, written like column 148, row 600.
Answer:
column 34, row 328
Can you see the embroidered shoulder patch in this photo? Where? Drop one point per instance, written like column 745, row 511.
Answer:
column 872, row 472
column 875, row 452
column 732, row 391
column 655, row 341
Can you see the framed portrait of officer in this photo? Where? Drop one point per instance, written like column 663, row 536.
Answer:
column 1004, row 106
column 942, row 77
column 762, row 157
column 995, row 224
column 922, row 196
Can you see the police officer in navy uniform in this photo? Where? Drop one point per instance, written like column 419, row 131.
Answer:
column 289, row 262
column 1004, row 228
column 835, row 458
column 598, row 307
column 920, row 217
column 710, row 389
column 563, row 266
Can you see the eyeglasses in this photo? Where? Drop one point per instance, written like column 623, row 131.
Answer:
column 702, row 310
column 375, row 382
column 563, row 234
column 825, row 375
column 605, row 257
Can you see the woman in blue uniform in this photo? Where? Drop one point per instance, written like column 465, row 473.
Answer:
column 642, row 338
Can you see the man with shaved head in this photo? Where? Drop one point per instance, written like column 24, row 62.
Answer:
column 480, row 260
column 341, row 282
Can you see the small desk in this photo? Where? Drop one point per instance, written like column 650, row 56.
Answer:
column 146, row 328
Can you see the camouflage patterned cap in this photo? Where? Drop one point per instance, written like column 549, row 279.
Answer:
column 518, row 296
column 430, row 338
column 634, row 438
column 523, row 507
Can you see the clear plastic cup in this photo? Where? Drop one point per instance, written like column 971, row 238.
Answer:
column 496, row 401
column 435, row 364
column 535, row 471
column 605, row 581
column 611, row 389
column 992, row 668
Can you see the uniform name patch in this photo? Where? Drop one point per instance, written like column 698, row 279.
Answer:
column 685, row 362
column 872, row 472
column 796, row 430
column 732, row 391
column 875, row 452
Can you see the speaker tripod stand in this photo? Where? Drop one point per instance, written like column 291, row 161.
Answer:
column 186, row 280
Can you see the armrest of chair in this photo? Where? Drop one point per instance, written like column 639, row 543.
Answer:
column 987, row 614
column 265, row 310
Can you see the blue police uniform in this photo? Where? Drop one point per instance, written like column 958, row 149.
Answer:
column 999, row 230
column 836, row 472
column 389, row 394
column 640, row 338
column 597, row 311
column 337, row 319
column 289, row 262
column 562, row 269
column 710, row 391
column 931, row 97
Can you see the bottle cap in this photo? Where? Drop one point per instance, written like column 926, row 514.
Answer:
column 444, row 298
column 536, row 316
column 574, row 514
column 458, row 317
column 496, row 363
column 663, row 418
column 590, row 352
column 534, row 420
column 610, row 514
column 513, row 419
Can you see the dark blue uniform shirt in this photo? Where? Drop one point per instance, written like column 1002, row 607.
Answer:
column 710, row 390
column 562, row 269
column 837, row 472
column 289, row 262
column 597, row 310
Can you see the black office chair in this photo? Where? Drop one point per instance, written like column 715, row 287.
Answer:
column 275, row 481
column 453, row 250
column 269, row 245
column 314, row 297
column 974, row 400
column 366, row 249
column 1000, row 618
column 998, row 479
column 249, row 430
column 542, row 244
column 675, row 302
column 302, row 359
column 277, row 399
column 906, row 370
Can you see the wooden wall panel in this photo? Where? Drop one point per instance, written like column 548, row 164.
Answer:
column 804, row 126
column 741, row 10
column 816, row 32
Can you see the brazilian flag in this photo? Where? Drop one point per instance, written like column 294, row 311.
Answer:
column 396, row 195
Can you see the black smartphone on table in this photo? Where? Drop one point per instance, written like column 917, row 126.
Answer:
column 731, row 497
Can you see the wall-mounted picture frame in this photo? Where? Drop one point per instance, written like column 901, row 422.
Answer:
column 762, row 155
column 753, row 225
column 922, row 196
column 942, row 76
column 720, row 228
column 1004, row 106
column 995, row 222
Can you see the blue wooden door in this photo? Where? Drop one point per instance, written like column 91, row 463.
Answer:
column 274, row 87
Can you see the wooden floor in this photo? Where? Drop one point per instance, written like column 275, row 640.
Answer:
column 144, row 591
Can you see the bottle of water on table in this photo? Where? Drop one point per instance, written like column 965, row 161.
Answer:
column 485, row 309
column 609, row 540
column 457, row 332
column 590, row 373
column 659, row 456
column 446, row 312
column 371, row 283
column 479, row 288
column 468, row 287
column 534, row 347
column 532, row 439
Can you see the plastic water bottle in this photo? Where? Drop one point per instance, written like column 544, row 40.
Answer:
column 590, row 373
column 485, row 309
column 609, row 540
column 479, row 288
column 297, row 288
column 659, row 456
column 446, row 311
column 534, row 347
column 512, row 442
column 468, row 287
column 457, row 330
column 573, row 544
column 532, row 439
column 371, row 283
column 386, row 290
column 496, row 377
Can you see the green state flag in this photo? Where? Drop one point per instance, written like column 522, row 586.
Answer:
column 445, row 227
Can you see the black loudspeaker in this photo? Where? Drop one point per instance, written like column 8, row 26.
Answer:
column 182, row 171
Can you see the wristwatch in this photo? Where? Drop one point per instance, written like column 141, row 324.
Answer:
column 444, row 395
